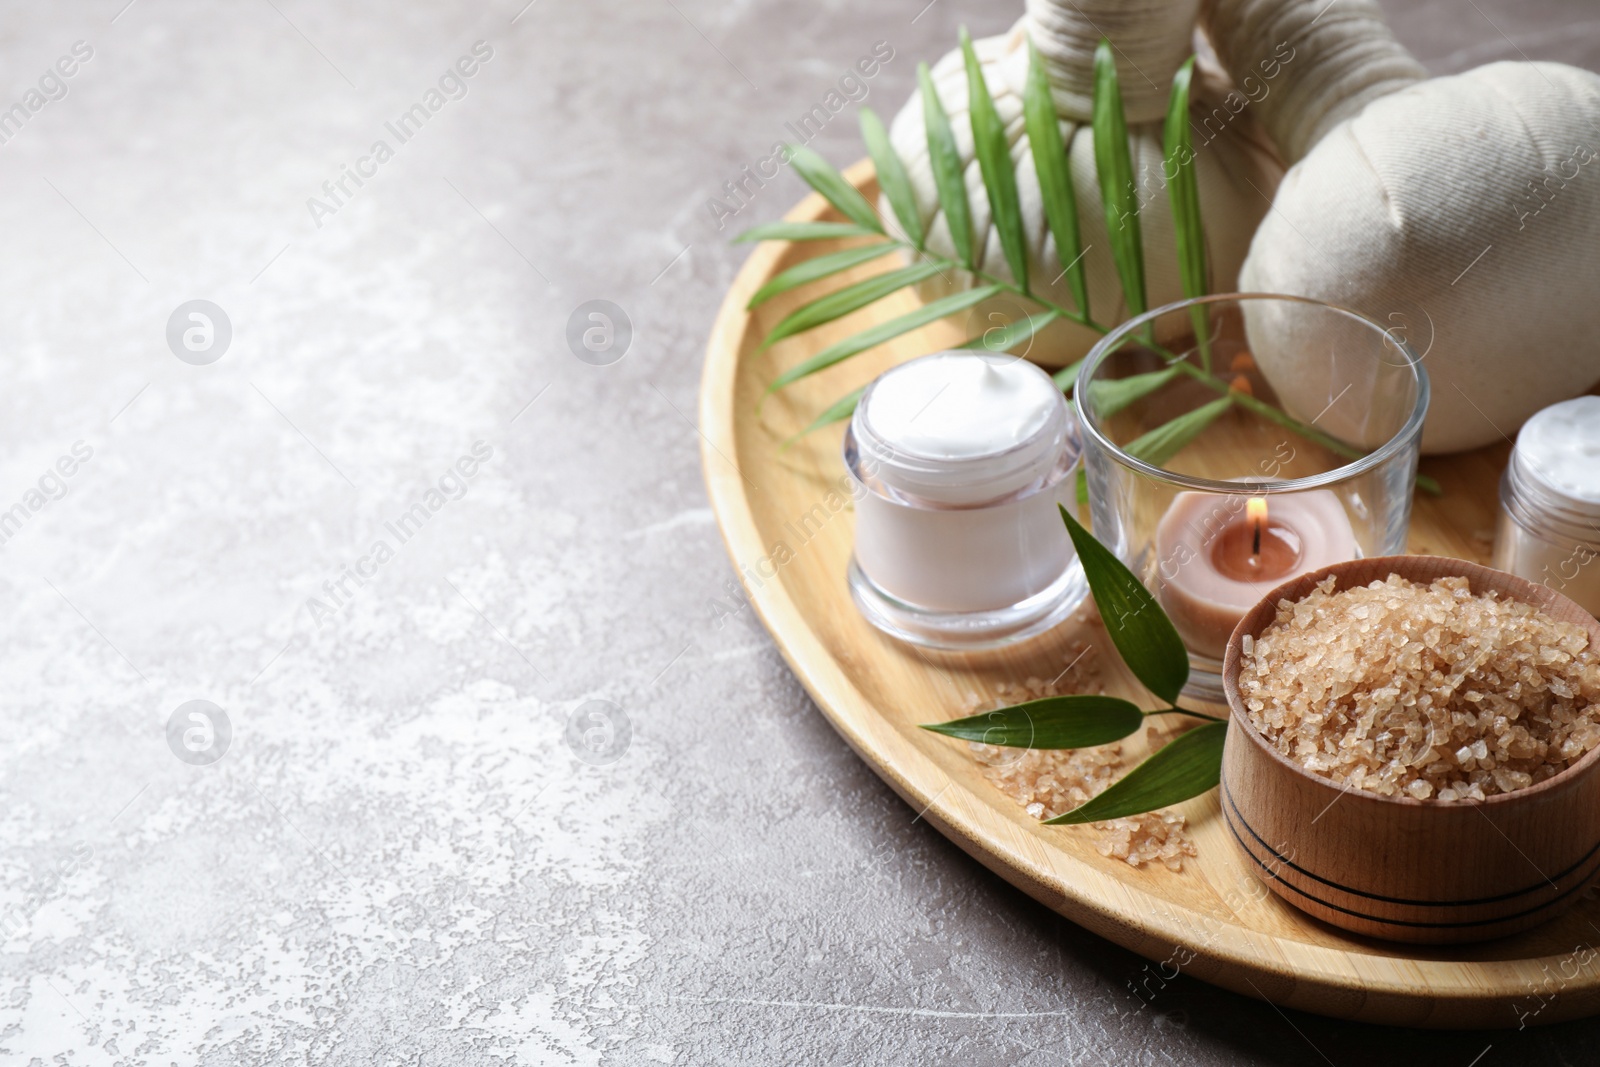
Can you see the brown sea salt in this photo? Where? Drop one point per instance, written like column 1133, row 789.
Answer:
column 1424, row 691
column 1051, row 782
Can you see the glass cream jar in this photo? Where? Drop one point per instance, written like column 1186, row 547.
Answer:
column 1549, row 526
column 961, row 459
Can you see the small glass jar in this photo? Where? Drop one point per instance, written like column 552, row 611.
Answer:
column 1549, row 525
column 959, row 542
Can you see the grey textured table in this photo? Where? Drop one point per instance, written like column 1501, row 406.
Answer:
column 377, row 843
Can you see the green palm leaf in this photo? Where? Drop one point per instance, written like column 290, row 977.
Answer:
column 831, row 184
column 892, row 178
column 1005, row 338
column 1183, row 193
column 1067, row 377
column 948, row 178
column 1167, row 440
column 838, row 411
column 994, row 160
column 816, row 269
column 884, row 331
column 1055, row 180
column 997, row 339
column 1111, row 395
column 1114, row 168
column 850, row 298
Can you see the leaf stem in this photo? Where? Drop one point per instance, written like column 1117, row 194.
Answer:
column 1078, row 317
column 1289, row 422
column 1267, row 411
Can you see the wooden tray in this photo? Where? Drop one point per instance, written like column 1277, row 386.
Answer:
column 1211, row 920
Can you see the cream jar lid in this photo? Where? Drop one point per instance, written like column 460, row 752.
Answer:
column 1553, row 477
column 963, row 428
column 1560, row 446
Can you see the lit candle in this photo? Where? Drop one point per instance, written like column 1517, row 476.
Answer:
column 1217, row 555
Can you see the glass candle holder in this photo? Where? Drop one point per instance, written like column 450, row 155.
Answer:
column 960, row 461
column 1275, row 436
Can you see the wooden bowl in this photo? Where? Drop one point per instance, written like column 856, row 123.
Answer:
column 1425, row 871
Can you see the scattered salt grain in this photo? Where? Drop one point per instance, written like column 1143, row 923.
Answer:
column 1051, row 782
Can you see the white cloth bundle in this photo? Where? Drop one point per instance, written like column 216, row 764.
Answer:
column 1237, row 170
column 1463, row 212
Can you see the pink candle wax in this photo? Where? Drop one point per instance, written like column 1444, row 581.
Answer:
column 1218, row 555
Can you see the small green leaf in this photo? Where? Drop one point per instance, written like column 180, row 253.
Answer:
column 1183, row 193
column 994, row 160
column 1055, row 722
column 1114, row 168
column 1055, row 179
column 1005, row 338
column 884, row 331
column 1167, row 440
column 1110, row 395
column 811, row 270
column 850, row 298
column 1136, row 624
column 840, row 410
column 892, row 178
column 785, row 230
column 945, row 162
column 1188, row 766
column 832, row 185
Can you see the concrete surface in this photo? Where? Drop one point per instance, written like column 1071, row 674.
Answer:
column 399, row 856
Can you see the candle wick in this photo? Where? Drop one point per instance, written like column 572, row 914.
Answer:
column 1255, row 542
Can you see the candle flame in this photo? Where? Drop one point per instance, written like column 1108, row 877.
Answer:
column 1255, row 509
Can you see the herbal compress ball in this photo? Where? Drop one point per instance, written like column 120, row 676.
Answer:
column 1462, row 212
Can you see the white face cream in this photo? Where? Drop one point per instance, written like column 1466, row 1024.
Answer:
column 1562, row 446
column 954, row 405
column 963, row 458
column 1549, row 528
